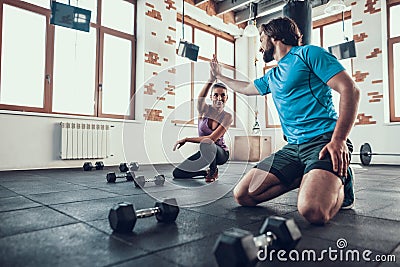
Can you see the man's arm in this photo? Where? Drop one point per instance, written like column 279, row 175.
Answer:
column 243, row 87
column 348, row 105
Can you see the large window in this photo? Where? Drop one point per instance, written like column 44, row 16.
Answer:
column 394, row 55
column 191, row 76
column 23, row 58
column 47, row 68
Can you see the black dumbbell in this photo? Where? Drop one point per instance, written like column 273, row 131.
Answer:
column 237, row 247
column 112, row 177
column 123, row 216
column 132, row 166
column 140, row 180
column 88, row 166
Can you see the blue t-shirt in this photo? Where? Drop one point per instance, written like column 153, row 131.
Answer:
column 300, row 93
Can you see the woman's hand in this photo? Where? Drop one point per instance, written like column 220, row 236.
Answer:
column 215, row 67
column 212, row 77
column 179, row 144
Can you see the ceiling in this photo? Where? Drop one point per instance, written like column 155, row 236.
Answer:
column 265, row 9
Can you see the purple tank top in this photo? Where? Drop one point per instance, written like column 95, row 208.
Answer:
column 204, row 130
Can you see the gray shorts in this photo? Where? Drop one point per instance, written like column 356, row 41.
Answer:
column 293, row 161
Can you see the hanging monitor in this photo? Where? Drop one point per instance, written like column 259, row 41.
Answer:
column 188, row 50
column 70, row 16
column 343, row 50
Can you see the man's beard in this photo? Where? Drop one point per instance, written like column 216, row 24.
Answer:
column 268, row 55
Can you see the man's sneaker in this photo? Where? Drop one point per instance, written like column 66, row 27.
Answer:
column 348, row 201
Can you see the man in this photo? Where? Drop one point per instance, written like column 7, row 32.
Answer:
column 317, row 155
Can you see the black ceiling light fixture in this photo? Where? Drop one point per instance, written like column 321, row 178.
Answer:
column 185, row 48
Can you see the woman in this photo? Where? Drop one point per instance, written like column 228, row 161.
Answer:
column 212, row 125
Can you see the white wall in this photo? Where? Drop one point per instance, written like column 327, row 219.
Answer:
column 382, row 135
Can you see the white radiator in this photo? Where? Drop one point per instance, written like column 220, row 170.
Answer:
column 84, row 140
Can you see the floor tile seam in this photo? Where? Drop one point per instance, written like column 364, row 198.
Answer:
column 41, row 204
column 108, row 191
column 69, row 202
column 221, row 216
column 161, row 250
column 64, row 213
column 83, row 189
column 396, row 246
column 41, row 229
column 19, row 209
column 142, row 256
column 386, row 206
column 77, row 221
column 199, row 202
column 372, row 189
column 144, row 192
column 363, row 215
column 41, row 193
column 212, row 215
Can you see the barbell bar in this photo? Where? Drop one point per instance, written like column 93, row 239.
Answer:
column 366, row 154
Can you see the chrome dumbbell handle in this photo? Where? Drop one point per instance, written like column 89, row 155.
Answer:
column 147, row 212
column 264, row 240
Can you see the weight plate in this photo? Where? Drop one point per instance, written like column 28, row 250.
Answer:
column 365, row 154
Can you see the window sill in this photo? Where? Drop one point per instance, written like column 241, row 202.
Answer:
column 64, row 116
column 393, row 123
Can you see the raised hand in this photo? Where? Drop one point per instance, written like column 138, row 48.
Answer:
column 215, row 67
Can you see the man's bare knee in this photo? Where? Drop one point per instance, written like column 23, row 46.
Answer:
column 243, row 198
column 314, row 214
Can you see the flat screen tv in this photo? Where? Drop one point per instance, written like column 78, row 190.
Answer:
column 343, row 50
column 70, row 16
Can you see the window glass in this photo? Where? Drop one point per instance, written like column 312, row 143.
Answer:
column 394, row 21
column 206, row 43
column 87, row 4
column 188, row 33
column 74, row 71
column 225, row 51
column 201, row 75
column 333, row 33
column 230, row 103
column 316, row 37
column 41, row 3
column 116, row 75
column 183, row 89
column 23, row 57
column 396, row 72
column 118, row 15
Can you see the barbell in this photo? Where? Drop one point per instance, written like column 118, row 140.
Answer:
column 366, row 154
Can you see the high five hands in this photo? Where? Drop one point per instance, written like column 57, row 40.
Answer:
column 215, row 67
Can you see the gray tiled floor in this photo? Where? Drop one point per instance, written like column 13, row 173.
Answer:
column 59, row 218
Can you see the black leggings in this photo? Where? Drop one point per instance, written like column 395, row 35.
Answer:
column 209, row 155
